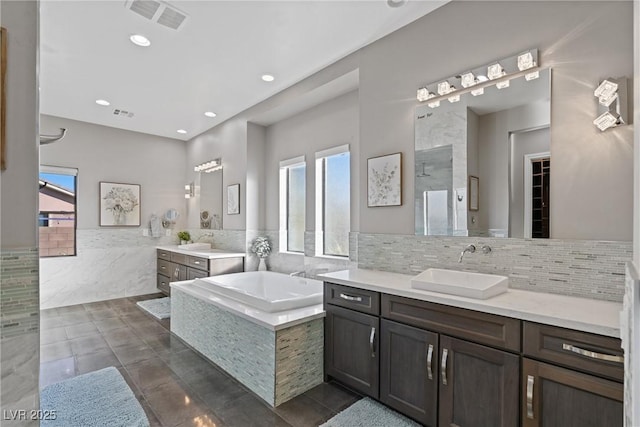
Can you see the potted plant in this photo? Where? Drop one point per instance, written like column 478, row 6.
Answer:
column 262, row 248
column 184, row 237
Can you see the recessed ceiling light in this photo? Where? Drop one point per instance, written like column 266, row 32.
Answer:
column 103, row 102
column 268, row 77
column 181, row 131
column 210, row 114
column 140, row 40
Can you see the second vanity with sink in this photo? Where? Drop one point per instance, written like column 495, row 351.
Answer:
column 193, row 261
column 517, row 358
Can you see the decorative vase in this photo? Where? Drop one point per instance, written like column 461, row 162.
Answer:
column 119, row 217
column 262, row 265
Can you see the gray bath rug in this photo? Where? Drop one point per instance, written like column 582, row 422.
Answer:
column 160, row 308
column 369, row 413
column 100, row 398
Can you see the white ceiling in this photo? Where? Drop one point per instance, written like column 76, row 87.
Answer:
column 212, row 63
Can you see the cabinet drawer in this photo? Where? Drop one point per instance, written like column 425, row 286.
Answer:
column 163, row 284
column 174, row 271
column 583, row 351
column 178, row 258
column 194, row 273
column 162, row 254
column 198, row 262
column 353, row 298
column 483, row 328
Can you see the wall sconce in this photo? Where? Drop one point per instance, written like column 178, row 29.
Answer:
column 497, row 73
column 210, row 166
column 612, row 103
column 189, row 191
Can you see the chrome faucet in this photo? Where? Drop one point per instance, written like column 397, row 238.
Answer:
column 470, row 248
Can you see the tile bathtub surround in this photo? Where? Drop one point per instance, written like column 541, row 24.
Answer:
column 19, row 340
column 276, row 365
column 175, row 385
column 110, row 263
column 582, row 268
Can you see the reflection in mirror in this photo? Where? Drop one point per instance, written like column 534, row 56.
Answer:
column 501, row 137
column 210, row 210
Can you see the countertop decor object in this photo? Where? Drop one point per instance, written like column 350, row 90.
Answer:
column 184, row 237
column 262, row 248
column 119, row 204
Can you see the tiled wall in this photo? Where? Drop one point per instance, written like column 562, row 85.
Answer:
column 20, row 336
column 277, row 366
column 582, row 268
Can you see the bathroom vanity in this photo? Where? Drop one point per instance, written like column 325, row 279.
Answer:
column 520, row 358
column 175, row 264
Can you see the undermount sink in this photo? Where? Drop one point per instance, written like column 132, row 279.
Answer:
column 195, row 246
column 461, row 283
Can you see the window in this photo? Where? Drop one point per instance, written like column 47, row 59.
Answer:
column 333, row 201
column 57, row 216
column 292, row 204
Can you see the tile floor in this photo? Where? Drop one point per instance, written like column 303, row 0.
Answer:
column 175, row 385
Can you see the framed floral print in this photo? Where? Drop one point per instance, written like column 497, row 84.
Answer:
column 384, row 180
column 233, row 199
column 119, row 205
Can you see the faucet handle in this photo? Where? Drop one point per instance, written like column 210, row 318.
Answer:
column 486, row 249
column 470, row 248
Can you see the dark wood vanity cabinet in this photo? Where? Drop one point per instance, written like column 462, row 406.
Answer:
column 577, row 380
column 175, row 267
column 447, row 366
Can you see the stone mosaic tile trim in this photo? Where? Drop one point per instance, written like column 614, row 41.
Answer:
column 581, row 268
column 243, row 349
column 19, row 292
column 232, row 240
column 299, row 359
column 275, row 366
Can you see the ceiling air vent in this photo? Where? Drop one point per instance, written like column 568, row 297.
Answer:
column 158, row 11
column 122, row 113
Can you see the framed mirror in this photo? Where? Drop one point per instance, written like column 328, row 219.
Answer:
column 500, row 139
column 210, row 200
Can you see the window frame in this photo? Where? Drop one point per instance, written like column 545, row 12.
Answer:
column 320, row 199
column 285, row 166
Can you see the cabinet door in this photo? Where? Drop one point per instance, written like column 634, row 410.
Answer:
column 351, row 349
column 559, row 397
column 408, row 371
column 478, row 385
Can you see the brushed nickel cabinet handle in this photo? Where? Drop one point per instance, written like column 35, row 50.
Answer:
column 372, row 338
column 163, row 267
column 593, row 354
column 196, row 262
column 350, row 298
column 530, row 381
column 176, row 273
column 443, row 367
column 429, row 359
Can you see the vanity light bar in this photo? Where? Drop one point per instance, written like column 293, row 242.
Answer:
column 210, row 166
column 498, row 73
column 612, row 103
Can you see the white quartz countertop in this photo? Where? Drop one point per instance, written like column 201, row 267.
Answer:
column 588, row 315
column 272, row 321
column 204, row 253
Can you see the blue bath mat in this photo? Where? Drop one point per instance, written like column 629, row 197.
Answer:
column 100, row 398
column 160, row 308
column 369, row 413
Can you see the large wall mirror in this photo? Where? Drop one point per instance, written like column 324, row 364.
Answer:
column 482, row 164
column 208, row 201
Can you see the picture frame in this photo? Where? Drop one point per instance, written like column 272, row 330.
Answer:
column 474, row 190
column 233, row 199
column 384, row 180
column 119, row 204
column 3, row 97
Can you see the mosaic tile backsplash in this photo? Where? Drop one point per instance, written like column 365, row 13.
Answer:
column 19, row 292
column 582, row 268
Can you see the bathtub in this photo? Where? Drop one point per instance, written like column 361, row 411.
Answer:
column 265, row 290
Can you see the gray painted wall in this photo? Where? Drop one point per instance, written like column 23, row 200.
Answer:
column 573, row 37
column 107, row 154
column 328, row 125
